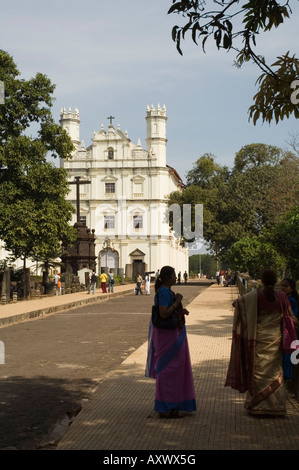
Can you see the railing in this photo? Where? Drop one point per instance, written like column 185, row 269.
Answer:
column 245, row 283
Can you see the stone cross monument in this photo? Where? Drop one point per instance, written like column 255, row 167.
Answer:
column 81, row 254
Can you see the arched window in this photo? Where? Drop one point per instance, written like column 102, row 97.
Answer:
column 109, row 259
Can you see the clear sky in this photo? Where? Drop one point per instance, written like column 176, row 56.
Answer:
column 116, row 57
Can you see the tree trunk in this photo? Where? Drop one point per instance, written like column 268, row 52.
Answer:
column 46, row 278
column 27, row 290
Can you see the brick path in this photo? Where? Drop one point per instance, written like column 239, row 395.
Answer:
column 120, row 415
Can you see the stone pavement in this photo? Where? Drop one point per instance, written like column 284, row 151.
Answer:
column 120, row 415
column 27, row 309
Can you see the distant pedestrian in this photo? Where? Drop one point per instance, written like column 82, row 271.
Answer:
column 103, row 278
column 93, row 283
column 138, row 285
column 57, row 284
column 218, row 277
column 110, row 281
column 185, row 277
column 179, row 277
column 147, row 284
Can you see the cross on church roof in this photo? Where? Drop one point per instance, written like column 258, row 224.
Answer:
column 111, row 117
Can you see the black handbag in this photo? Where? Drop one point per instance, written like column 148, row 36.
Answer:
column 169, row 323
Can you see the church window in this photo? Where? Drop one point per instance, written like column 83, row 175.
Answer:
column 110, row 153
column 110, row 188
column 138, row 189
column 109, row 221
column 137, row 221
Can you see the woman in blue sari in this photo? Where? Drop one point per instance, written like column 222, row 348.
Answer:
column 168, row 354
column 289, row 287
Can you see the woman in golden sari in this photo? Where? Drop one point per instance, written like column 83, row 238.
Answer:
column 256, row 363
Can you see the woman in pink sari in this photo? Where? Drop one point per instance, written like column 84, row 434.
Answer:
column 168, row 354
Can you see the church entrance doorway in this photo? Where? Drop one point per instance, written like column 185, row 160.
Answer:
column 138, row 268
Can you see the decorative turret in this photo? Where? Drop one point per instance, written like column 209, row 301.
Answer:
column 71, row 123
column 156, row 133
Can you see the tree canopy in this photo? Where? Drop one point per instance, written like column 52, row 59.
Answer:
column 254, row 254
column 34, row 214
column 246, row 203
column 237, row 25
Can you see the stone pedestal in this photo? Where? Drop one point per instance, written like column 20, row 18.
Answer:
column 81, row 254
column 84, row 276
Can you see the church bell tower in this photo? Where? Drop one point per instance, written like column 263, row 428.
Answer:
column 71, row 123
column 156, row 133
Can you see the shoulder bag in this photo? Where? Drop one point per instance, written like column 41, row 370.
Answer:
column 289, row 335
column 169, row 323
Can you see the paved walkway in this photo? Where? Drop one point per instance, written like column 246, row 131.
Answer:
column 120, row 414
column 24, row 310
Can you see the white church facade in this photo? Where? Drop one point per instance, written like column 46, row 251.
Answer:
column 123, row 197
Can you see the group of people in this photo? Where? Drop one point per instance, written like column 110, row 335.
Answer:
column 257, row 367
column 93, row 282
column 140, row 283
column 185, row 276
column 146, row 282
column 226, row 278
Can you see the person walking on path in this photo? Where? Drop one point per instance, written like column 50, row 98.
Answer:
column 185, row 277
column 93, row 283
column 138, row 285
column 288, row 286
column 179, row 277
column 255, row 365
column 103, row 278
column 147, row 284
column 168, row 358
column 57, row 284
column 110, row 281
